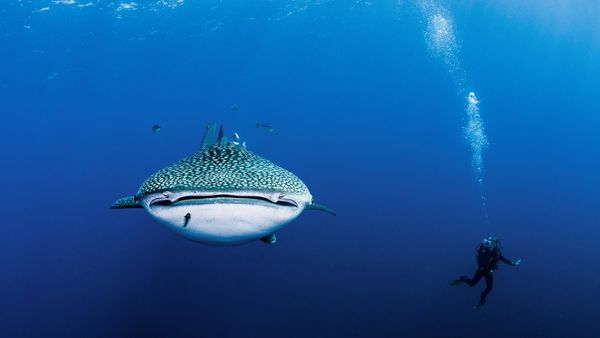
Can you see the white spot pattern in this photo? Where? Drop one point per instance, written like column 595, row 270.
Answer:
column 225, row 165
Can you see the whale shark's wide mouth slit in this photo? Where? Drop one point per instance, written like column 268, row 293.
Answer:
column 286, row 202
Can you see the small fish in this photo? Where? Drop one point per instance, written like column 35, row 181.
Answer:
column 266, row 126
column 187, row 219
column 52, row 76
column 155, row 128
column 234, row 107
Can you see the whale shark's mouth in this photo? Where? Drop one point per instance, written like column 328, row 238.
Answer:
column 223, row 199
column 223, row 217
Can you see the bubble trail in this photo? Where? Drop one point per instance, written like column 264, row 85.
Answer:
column 475, row 134
column 442, row 44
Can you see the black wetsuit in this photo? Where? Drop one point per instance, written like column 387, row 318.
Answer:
column 487, row 260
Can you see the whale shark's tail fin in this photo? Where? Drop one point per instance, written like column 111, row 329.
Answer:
column 315, row 206
column 220, row 135
column 128, row 202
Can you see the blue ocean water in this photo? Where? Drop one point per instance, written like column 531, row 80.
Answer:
column 369, row 105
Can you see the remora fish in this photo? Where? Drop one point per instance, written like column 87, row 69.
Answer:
column 223, row 194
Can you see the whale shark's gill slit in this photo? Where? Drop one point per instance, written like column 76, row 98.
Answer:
column 166, row 203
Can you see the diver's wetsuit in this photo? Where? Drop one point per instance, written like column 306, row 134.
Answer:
column 487, row 260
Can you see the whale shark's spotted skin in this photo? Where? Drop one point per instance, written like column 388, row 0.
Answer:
column 225, row 165
column 223, row 194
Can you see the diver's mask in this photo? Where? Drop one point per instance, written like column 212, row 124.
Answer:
column 490, row 243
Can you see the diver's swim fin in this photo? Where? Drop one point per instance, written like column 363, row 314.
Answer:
column 456, row 282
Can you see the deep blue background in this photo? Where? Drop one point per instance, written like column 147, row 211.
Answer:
column 362, row 113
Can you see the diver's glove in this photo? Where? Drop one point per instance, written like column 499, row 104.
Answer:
column 517, row 262
column 456, row 282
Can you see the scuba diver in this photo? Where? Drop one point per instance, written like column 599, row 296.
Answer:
column 488, row 255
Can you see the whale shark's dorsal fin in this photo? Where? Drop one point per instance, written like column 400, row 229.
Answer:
column 128, row 202
column 315, row 206
column 210, row 136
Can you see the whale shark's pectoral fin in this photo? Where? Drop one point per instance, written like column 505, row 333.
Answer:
column 269, row 239
column 128, row 202
column 315, row 206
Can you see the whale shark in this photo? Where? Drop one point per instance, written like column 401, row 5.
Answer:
column 223, row 194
